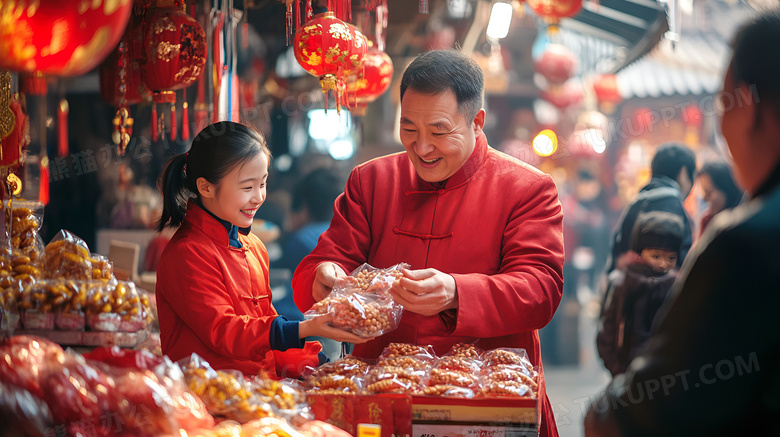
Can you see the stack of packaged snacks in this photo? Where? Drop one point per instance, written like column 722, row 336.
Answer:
column 401, row 368
column 67, row 257
column 465, row 371
column 508, row 372
column 361, row 303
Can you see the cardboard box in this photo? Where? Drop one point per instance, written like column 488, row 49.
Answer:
column 452, row 430
column 391, row 411
column 437, row 410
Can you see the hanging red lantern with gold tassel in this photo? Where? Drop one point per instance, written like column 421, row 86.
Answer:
column 175, row 54
column 373, row 81
column 328, row 48
column 551, row 11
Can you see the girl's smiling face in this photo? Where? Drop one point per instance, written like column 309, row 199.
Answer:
column 239, row 194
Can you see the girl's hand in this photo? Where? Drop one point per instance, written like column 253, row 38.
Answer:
column 318, row 326
column 325, row 278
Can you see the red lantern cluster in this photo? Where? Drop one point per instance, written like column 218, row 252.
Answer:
column 373, row 81
column 62, row 37
column 563, row 96
column 330, row 49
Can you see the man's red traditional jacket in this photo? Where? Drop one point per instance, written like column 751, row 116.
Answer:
column 215, row 300
column 495, row 226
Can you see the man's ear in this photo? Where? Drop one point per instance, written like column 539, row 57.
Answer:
column 479, row 121
column 206, row 189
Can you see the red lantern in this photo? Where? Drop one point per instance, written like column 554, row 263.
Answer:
column 372, row 82
column 605, row 86
column 565, row 95
column 328, row 48
column 557, row 64
column 13, row 144
column 553, row 10
column 174, row 57
column 62, row 37
column 692, row 116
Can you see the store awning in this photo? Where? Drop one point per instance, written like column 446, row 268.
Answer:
column 628, row 29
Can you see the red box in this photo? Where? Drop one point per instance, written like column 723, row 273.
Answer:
column 393, row 412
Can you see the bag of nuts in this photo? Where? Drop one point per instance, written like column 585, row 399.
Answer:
column 23, row 220
column 102, row 268
column 117, row 307
column 361, row 303
column 67, row 257
column 341, row 376
column 508, row 372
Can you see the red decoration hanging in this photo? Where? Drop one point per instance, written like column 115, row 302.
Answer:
column 14, row 128
column 605, row 86
column 43, row 187
column 111, row 76
column 422, row 6
column 328, row 48
column 551, row 11
column 557, row 64
column 62, row 128
column 33, row 84
column 175, row 54
column 373, row 81
column 185, row 118
column 62, row 37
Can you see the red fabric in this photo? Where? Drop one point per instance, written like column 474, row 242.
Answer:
column 496, row 227
column 215, row 300
column 154, row 252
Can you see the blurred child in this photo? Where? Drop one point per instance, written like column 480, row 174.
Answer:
column 638, row 287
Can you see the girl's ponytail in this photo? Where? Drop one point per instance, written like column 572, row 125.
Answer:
column 176, row 192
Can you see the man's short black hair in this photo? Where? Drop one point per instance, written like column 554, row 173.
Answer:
column 756, row 60
column 437, row 71
column 670, row 158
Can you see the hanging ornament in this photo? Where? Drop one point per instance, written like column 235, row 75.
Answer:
column 62, row 128
column 551, row 11
column 557, row 64
column 422, row 6
column 372, row 81
column 14, row 129
column 175, row 54
column 61, row 37
column 328, row 48
column 605, row 87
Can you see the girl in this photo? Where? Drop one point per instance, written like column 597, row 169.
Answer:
column 213, row 294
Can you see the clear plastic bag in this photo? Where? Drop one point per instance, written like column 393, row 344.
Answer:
column 361, row 303
column 508, row 372
column 225, row 393
column 67, row 257
column 465, row 350
column 447, row 391
column 382, row 379
column 23, row 220
column 102, row 268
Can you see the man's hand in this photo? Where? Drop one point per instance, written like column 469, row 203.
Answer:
column 427, row 292
column 320, row 326
column 325, row 278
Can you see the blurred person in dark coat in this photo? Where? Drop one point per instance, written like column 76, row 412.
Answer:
column 672, row 168
column 712, row 365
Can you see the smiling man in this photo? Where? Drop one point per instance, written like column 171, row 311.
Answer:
column 481, row 230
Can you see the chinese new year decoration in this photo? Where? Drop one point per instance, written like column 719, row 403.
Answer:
column 330, row 49
column 563, row 96
column 61, row 37
column 174, row 56
column 557, row 64
column 551, row 11
column 371, row 82
column 605, row 86
column 14, row 134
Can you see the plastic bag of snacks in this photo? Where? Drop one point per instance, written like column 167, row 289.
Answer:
column 67, row 257
column 23, row 220
column 386, row 379
column 407, row 356
column 269, row 426
column 225, row 394
column 16, row 265
column 102, row 268
column 345, row 375
column 361, row 303
column 283, row 395
column 117, row 306
column 70, row 316
column 508, row 372
column 40, row 301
